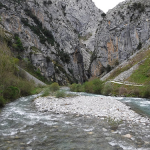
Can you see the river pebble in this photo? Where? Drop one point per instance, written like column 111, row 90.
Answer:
column 90, row 105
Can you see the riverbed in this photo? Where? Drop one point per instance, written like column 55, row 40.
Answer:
column 23, row 126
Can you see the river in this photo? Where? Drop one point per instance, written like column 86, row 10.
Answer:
column 22, row 127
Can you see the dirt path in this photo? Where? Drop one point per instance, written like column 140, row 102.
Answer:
column 31, row 77
column 132, row 84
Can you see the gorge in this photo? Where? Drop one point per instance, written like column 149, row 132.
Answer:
column 72, row 41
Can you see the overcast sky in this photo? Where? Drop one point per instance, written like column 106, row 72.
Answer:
column 105, row 5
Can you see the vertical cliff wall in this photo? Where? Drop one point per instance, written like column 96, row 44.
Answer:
column 72, row 40
column 123, row 31
column 58, row 36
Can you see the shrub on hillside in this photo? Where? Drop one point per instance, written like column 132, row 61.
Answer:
column 89, row 87
column 77, row 87
column 18, row 44
column 92, row 86
column 98, row 86
column 73, row 87
column 2, row 101
column 134, row 92
column 46, row 92
column 11, row 92
column 146, row 92
column 12, row 84
column 122, row 91
column 107, row 89
column 54, row 87
column 60, row 94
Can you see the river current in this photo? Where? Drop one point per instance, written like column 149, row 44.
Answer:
column 22, row 127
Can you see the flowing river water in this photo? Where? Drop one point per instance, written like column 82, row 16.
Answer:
column 22, row 127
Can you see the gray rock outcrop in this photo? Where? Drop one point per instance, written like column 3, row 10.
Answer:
column 123, row 31
column 58, row 35
column 71, row 40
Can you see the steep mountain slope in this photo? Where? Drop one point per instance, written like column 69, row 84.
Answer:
column 57, row 36
column 123, row 31
column 13, row 82
column 72, row 40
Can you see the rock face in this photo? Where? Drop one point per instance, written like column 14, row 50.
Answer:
column 58, row 36
column 123, row 31
column 72, row 40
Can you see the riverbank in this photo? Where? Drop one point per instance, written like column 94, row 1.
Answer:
column 98, row 106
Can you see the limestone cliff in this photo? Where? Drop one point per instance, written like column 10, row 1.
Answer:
column 58, row 36
column 124, row 30
column 72, row 40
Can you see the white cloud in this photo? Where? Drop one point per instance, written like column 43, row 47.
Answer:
column 105, row 5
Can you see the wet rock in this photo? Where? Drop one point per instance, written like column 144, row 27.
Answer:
column 104, row 129
column 85, row 105
column 147, row 144
column 117, row 147
column 109, row 138
column 139, row 142
column 114, row 128
column 9, row 142
column 90, row 133
column 127, row 136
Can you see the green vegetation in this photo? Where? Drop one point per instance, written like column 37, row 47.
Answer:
column 142, row 74
column 54, row 90
column 38, row 90
column 138, row 6
column 93, row 86
column 118, row 71
column 3, row 6
column 44, row 34
column 114, row 123
column 112, row 89
column 130, row 91
column 13, row 83
column 64, row 56
column 51, row 89
column 46, row 92
column 54, row 87
column 26, row 65
column 107, row 89
column 59, row 68
column 18, row 44
column 63, row 94
column 139, row 57
column 60, row 94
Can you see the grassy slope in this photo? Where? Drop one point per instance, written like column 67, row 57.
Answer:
column 139, row 76
column 13, row 83
column 142, row 76
column 137, row 58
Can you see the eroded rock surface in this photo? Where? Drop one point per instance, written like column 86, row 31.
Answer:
column 124, row 30
column 72, row 40
column 58, row 36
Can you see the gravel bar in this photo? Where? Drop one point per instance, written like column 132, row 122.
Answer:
column 98, row 106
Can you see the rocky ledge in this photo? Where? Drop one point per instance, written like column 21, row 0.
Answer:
column 99, row 106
